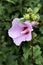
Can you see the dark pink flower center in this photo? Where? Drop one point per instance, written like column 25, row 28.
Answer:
column 25, row 30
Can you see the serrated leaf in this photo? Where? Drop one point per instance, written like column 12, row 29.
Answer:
column 39, row 60
column 27, row 52
column 36, row 51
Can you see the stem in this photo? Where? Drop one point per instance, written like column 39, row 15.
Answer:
column 32, row 50
column 20, row 6
column 32, row 56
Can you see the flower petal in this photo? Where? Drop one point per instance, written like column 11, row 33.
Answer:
column 28, row 37
column 15, row 21
column 19, row 40
column 15, row 31
column 29, row 25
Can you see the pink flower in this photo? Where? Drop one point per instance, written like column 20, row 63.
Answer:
column 34, row 23
column 20, row 32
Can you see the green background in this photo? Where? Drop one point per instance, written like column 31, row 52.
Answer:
column 28, row 53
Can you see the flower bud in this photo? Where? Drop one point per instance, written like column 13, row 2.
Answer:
column 29, row 10
column 27, row 16
column 35, row 17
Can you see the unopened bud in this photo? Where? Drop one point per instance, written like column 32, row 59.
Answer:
column 35, row 17
column 29, row 10
column 27, row 16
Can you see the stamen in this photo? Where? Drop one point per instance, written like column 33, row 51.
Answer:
column 25, row 31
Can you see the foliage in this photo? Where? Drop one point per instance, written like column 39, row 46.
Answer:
column 29, row 53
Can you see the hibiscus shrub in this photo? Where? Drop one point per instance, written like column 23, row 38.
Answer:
column 21, row 32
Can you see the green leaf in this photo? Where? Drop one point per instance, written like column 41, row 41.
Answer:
column 12, row 1
column 39, row 60
column 1, row 59
column 15, row 16
column 41, row 17
column 27, row 52
column 37, row 55
column 27, row 62
column 11, row 60
column 1, row 9
column 36, row 51
column 38, row 39
column 41, row 29
column 7, row 25
column 34, row 35
column 36, row 9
